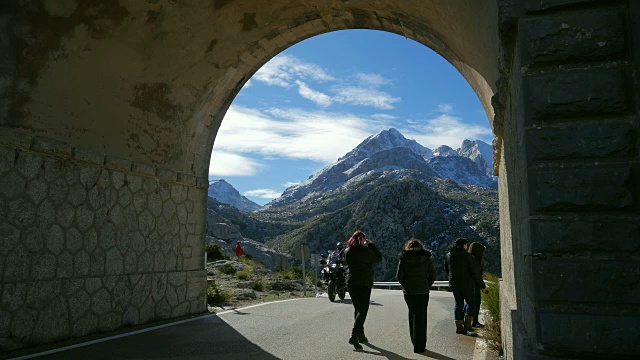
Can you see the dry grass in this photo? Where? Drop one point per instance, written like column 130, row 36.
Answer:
column 491, row 302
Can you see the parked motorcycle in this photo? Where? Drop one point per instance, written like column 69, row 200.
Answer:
column 334, row 274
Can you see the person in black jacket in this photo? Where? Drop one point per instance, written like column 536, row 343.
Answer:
column 416, row 273
column 477, row 250
column 361, row 256
column 464, row 275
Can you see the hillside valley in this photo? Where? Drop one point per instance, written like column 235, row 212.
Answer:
column 389, row 187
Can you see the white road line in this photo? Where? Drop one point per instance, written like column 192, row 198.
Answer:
column 97, row 341
column 256, row 305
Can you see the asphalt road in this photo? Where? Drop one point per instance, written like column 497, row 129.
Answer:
column 311, row 328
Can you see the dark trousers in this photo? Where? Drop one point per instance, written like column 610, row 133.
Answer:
column 417, row 305
column 461, row 296
column 476, row 304
column 360, row 297
column 477, row 300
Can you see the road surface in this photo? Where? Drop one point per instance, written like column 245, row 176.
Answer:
column 310, row 328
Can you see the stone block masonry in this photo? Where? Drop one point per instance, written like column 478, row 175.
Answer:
column 580, row 117
column 90, row 244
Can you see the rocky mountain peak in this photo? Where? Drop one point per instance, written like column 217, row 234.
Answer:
column 385, row 140
column 479, row 152
column 444, row 150
column 227, row 194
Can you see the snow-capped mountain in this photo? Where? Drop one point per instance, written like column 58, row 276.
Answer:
column 480, row 152
column 385, row 140
column 386, row 151
column 462, row 170
column 444, row 150
column 223, row 192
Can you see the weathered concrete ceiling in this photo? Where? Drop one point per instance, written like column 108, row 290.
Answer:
column 151, row 80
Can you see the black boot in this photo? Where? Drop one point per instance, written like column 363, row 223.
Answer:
column 476, row 324
column 353, row 340
column 467, row 323
column 362, row 338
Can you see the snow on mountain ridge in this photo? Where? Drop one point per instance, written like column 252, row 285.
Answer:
column 479, row 152
column 388, row 151
column 385, row 140
column 225, row 193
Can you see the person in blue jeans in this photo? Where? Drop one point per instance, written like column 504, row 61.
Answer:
column 464, row 276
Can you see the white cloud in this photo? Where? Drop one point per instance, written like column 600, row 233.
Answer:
column 446, row 130
column 248, row 84
column 291, row 183
column 284, row 70
column 365, row 97
column 294, row 134
column 317, row 97
column 370, row 79
column 445, row 108
column 263, row 193
column 224, row 163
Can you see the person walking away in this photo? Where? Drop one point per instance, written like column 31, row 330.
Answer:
column 361, row 255
column 416, row 273
column 477, row 251
column 463, row 276
column 238, row 249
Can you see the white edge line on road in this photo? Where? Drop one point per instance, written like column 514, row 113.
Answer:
column 97, row 341
column 256, row 305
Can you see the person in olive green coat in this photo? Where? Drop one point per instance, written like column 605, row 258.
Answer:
column 416, row 273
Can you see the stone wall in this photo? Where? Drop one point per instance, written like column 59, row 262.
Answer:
column 573, row 248
column 91, row 243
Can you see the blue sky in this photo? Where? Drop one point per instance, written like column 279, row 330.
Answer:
column 320, row 98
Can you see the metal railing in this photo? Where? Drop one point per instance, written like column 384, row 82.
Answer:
column 396, row 285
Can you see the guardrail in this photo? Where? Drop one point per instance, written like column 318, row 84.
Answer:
column 396, row 285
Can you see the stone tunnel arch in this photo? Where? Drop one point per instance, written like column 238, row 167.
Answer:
column 109, row 111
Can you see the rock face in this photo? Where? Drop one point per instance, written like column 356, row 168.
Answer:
column 227, row 194
column 463, row 170
column 444, row 150
column 270, row 258
column 480, row 152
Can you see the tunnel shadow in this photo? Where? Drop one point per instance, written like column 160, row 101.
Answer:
column 209, row 338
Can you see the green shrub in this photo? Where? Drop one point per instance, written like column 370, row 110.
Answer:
column 260, row 285
column 491, row 302
column 249, row 261
column 214, row 252
column 227, row 269
column 243, row 274
column 293, row 273
column 218, row 296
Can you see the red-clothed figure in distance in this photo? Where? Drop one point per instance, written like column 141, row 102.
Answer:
column 238, row 249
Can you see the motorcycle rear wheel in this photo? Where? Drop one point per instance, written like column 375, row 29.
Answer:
column 341, row 293
column 331, row 290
